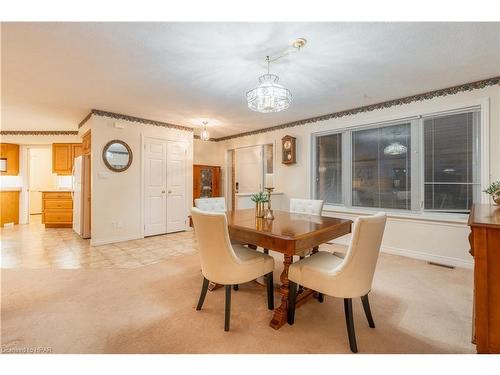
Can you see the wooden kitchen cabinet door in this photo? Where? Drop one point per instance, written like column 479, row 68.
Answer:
column 77, row 149
column 10, row 153
column 62, row 158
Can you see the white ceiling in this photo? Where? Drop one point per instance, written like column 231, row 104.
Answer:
column 54, row 73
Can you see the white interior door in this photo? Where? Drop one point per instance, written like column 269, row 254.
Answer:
column 155, row 186
column 249, row 169
column 176, row 186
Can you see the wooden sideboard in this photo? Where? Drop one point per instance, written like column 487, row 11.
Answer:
column 484, row 221
column 57, row 209
column 206, row 181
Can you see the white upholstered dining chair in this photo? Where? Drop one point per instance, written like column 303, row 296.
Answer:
column 225, row 263
column 306, row 206
column 346, row 278
column 211, row 204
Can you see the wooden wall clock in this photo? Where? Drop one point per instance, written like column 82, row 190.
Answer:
column 289, row 150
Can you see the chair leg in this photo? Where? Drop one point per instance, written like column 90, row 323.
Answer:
column 350, row 324
column 292, row 297
column 368, row 312
column 236, row 287
column 270, row 291
column 227, row 313
column 321, row 298
column 203, row 293
column 300, row 287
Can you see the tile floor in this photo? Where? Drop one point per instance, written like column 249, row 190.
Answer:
column 34, row 246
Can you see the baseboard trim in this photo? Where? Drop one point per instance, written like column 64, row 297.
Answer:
column 108, row 241
column 449, row 261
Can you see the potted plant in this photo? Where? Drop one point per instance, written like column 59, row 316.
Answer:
column 494, row 191
column 259, row 198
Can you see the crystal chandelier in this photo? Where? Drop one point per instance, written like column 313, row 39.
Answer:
column 205, row 135
column 395, row 148
column 269, row 96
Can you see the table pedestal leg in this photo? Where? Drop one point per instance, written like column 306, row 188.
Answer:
column 280, row 314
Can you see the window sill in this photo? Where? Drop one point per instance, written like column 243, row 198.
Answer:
column 410, row 216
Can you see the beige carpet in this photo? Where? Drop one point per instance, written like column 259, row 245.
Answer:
column 418, row 308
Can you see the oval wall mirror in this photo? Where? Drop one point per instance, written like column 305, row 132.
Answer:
column 117, row 155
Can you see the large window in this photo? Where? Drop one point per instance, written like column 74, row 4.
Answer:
column 451, row 167
column 329, row 168
column 429, row 163
column 381, row 167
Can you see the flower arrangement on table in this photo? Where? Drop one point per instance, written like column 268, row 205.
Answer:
column 259, row 198
column 494, row 191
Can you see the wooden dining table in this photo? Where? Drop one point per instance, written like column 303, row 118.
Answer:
column 290, row 234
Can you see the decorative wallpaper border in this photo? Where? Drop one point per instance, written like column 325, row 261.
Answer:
column 119, row 116
column 349, row 112
column 38, row 132
column 372, row 107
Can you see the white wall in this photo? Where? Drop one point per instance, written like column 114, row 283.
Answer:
column 436, row 240
column 117, row 198
column 208, row 153
column 40, row 175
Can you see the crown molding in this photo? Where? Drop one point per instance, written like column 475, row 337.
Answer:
column 196, row 136
column 119, row 116
column 372, row 107
column 38, row 132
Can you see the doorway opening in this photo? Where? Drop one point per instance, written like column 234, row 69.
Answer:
column 249, row 170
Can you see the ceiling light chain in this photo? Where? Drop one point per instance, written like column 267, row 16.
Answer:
column 205, row 135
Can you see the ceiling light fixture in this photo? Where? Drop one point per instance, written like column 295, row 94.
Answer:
column 205, row 135
column 269, row 96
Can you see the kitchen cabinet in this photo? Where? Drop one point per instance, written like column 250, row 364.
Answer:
column 9, row 210
column 76, row 149
column 63, row 155
column 57, row 209
column 9, row 155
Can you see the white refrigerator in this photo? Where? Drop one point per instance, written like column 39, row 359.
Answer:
column 81, row 196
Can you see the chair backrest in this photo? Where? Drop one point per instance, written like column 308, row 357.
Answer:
column 358, row 267
column 212, row 234
column 211, row 204
column 306, row 206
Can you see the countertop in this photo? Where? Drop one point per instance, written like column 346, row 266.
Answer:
column 54, row 190
column 10, row 188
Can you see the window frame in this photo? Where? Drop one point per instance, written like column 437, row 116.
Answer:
column 476, row 195
column 417, row 191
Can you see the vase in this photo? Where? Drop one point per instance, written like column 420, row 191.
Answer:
column 259, row 209
column 496, row 197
